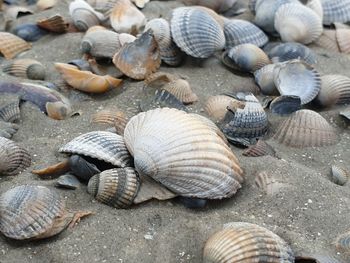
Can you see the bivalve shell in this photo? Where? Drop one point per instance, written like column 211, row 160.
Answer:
column 108, row 116
column 216, row 106
column 55, row 24
column 10, row 112
column 140, row 3
column 270, row 184
column 8, row 129
column 265, row 79
column 216, row 5
column 335, row 11
column 26, row 68
column 11, row 45
column 284, row 105
column 261, row 148
column 343, row 35
column 342, row 242
column 328, row 40
column 181, row 89
column 289, row 51
column 101, row 43
column 160, row 98
column 45, row 4
column 339, row 175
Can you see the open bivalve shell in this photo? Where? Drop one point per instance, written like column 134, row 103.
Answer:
column 26, row 68
column 11, row 45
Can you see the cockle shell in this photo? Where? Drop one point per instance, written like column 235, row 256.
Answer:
column 335, row 11
column 217, row 5
column 34, row 212
column 335, row 89
column 160, row 98
column 13, row 158
column 8, row 129
column 343, row 35
column 289, row 51
column 115, row 187
column 245, row 242
column 297, row 78
column 101, row 43
column 339, row 175
column 45, row 4
column 270, row 184
column 11, row 45
column 298, row 23
column 85, row 80
column 140, row 3
column 196, row 32
column 243, row 32
column 186, row 155
column 286, row 104
column 26, row 68
column 314, row 5
column 10, row 112
column 328, row 40
column 216, row 106
column 29, row 32
column 108, row 116
column 306, row 128
column 101, row 145
column 261, row 148
column 265, row 79
column 55, row 24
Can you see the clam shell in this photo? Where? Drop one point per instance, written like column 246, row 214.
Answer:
column 298, row 23
column 13, row 158
column 245, row 242
column 335, row 89
column 108, row 116
column 83, row 15
column 284, row 105
column 10, row 112
column 243, row 32
column 160, row 98
column 339, row 175
column 216, row 106
column 101, row 43
column 116, row 187
column 45, row 4
column 101, row 145
column 269, row 184
column 55, row 24
column 216, row 5
column 181, row 89
column 343, row 35
column 67, row 181
column 140, row 58
column 316, row 6
column 140, row 3
column 196, row 32
column 288, row 51
column 328, row 40
column 335, row 11
column 26, row 68
column 7, row 129
column 13, row 12
column 11, row 45
column 297, row 78
column 29, row 32
column 261, row 148
column 306, row 128
column 265, row 79
column 177, row 157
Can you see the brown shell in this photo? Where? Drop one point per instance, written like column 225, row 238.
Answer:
column 26, row 68
column 328, row 40
column 261, row 148
column 55, row 24
column 45, row 4
column 216, row 106
column 11, row 45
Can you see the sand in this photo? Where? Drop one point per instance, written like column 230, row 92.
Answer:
column 309, row 213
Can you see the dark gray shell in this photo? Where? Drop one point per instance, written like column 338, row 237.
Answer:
column 8, row 129
column 30, row 32
column 81, row 64
column 67, row 181
column 284, row 105
column 101, row 43
column 335, row 11
column 288, row 51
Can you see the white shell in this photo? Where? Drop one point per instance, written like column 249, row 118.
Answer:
column 83, row 15
column 335, row 11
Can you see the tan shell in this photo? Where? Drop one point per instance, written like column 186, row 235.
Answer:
column 101, row 43
column 95, row 28
column 270, row 184
column 103, row 70
column 261, row 148
column 108, row 116
column 85, row 80
column 55, row 24
column 328, row 40
column 11, row 45
column 343, row 37
column 245, row 242
column 26, row 68
column 45, row 4
column 306, row 128
column 216, row 106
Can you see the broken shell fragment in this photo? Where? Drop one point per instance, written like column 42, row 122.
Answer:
column 261, row 148
column 55, row 24
column 67, row 181
column 10, row 112
column 160, row 98
column 339, row 175
column 45, row 4
column 107, row 116
column 216, row 106
column 7, row 129
column 270, row 184
column 26, row 68
column 328, row 40
column 11, row 45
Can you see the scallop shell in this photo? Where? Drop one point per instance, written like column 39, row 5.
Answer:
column 11, row 45
column 140, row 58
column 265, row 79
column 34, row 212
column 245, row 242
column 306, row 128
column 177, row 157
column 216, row 106
column 243, row 32
column 339, row 175
column 55, row 24
column 108, row 116
column 159, row 98
column 13, row 158
column 298, row 23
column 336, row 11
column 10, row 112
column 328, row 40
column 284, row 105
column 297, row 78
column 216, row 5
column 26, row 68
column 101, row 43
column 269, row 184
column 116, row 187
column 7, row 129
column 101, row 145
column 29, row 32
column 196, row 32
column 343, row 35
column 335, row 89
column 261, row 148
column 85, row 80
column 45, row 4
column 289, row 51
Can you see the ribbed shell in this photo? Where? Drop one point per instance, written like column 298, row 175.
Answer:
column 13, row 158
column 328, row 40
column 108, row 116
column 183, row 153
column 265, row 79
column 160, row 98
column 26, row 68
column 11, row 45
column 45, row 4
column 343, row 35
column 83, row 15
column 306, row 128
column 288, row 51
column 339, row 175
column 297, row 78
column 8, row 129
column 298, row 23
column 336, row 11
column 55, row 24
column 245, row 242
column 261, row 148
column 284, row 105
column 103, row 6
column 335, row 89
column 29, row 32
column 216, row 106
column 269, row 184
column 316, row 6
column 101, row 145
column 10, row 112
column 181, row 89
column 115, row 187
column 243, row 32
column 196, row 32
column 101, row 43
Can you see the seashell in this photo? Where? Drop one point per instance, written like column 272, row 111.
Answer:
column 103, row 6
column 126, row 18
column 140, row 58
column 239, row 32
column 251, row 6
column 81, row 64
column 216, row 5
column 318, row 258
column 306, row 128
column 339, row 175
column 284, row 105
column 115, row 187
column 82, row 168
column 159, row 98
column 34, row 212
column 29, row 32
column 83, row 15
column 53, row 170
column 216, row 106
column 26, row 68
column 105, row 146
column 335, row 89
column 14, row 159
column 45, row 4
column 245, row 242
column 342, row 242
column 108, row 116
column 261, row 148
column 298, row 23
column 13, row 12
column 101, row 43
column 103, row 70
column 55, row 24
column 328, row 40
column 297, row 78
column 140, row 3
column 343, row 34
column 7, row 129
column 345, row 113
column 181, row 89
column 265, row 79
column 246, row 58
column 289, row 51
column 10, row 112
column 269, row 184
column 178, row 156
column 95, row 28
column 11, row 45
column 68, row 181
column 196, row 32
column 126, row 38
column 315, row 5
column 335, row 11
column 85, row 80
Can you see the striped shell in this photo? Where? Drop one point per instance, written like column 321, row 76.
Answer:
column 335, row 11
column 196, row 32
column 101, row 43
column 261, row 148
column 101, row 145
column 29, row 32
column 181, row 89
column 10, row 112
column 284, row 105
column 265, row 79
column 343, row 35
column 297, row 78
column 8, row 129
column 11, row 45
column 245, row 242
column 306, row 128
column 159, row 98
column 339, row 175
column 298, row 23
column 55, row 24
column 216, row 106
column 335, row 89
column 107, row 116
column 243, row 32
column 115, row 187
column 181, row 152
column 83, row 15
column 316, row 6
column 328, row 40
column 288, row 51
column 26, row 68
column 13, row 158
column 270, row 184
